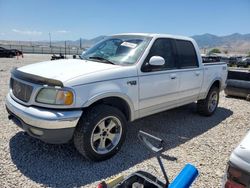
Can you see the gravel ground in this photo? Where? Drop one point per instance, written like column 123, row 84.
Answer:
column 205, row 142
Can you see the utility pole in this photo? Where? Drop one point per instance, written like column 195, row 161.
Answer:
column 80, row 43
column 49, row 40
column 65, row 48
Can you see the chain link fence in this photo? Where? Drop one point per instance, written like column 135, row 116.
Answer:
column 68, row 50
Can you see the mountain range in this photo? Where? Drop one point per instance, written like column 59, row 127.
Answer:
column 234, row 43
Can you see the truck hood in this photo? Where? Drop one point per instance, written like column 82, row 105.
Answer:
column 241, row 154
column 66, row 69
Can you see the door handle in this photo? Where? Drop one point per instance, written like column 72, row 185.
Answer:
column 173, row 76
column 197, row 73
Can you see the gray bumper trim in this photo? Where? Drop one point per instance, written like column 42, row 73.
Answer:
column 43, row 118
column 52, row 136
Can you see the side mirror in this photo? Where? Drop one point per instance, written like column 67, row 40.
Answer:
column 156, row 61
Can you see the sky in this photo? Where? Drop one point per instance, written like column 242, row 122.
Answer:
column 74, row 19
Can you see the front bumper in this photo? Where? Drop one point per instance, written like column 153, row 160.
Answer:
column 48, row 125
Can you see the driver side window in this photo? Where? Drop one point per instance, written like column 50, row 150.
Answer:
column 162, row 47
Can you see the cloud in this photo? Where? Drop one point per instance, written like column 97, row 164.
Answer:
column 63, row 31
column 27, row 32
column 2, row 34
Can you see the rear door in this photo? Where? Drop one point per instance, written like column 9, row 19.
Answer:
column 191, row 75
column 158, row 85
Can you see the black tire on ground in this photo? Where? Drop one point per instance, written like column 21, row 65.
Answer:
column 87, row 126
column 203, row 106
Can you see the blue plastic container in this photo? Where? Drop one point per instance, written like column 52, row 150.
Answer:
column 185, row 178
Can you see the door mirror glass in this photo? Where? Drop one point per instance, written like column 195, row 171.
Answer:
column 156, row 61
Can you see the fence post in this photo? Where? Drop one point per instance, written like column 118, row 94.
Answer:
column 65, row 48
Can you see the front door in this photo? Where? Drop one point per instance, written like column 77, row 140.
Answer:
column 158, row 85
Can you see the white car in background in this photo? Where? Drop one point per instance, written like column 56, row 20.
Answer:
column 238, row 171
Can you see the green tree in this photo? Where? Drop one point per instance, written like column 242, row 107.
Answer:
column 214, row 50
column 248, row 55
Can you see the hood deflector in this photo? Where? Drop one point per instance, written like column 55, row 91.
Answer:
column 35, row 79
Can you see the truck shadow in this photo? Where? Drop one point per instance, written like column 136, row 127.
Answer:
column 62, row 166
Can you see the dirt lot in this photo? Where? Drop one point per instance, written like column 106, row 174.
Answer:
column 203, row 141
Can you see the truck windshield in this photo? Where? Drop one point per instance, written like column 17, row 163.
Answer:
column 119, row 50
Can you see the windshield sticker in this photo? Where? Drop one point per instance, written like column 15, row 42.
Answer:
column 129, row 44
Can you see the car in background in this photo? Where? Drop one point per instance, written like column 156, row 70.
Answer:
column 225, row 59
column 9, row 53
column 6, row 53
column 238, row 170
column 55, row 57
column 17, row 52
column 244, row 63
column 210, row 59
column 234, row 60
column 214, row 58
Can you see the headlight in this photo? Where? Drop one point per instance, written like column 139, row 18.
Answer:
column 55, row 96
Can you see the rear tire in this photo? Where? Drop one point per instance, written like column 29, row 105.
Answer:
column 208, row 106
column 100, row 133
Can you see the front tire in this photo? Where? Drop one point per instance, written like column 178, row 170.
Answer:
column 100, row 133
column 209, row 105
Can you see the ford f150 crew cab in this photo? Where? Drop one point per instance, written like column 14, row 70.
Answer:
column 120, row 79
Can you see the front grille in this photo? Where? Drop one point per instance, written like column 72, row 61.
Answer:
column 21, row 90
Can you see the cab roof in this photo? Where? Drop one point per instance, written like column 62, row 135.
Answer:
column 157, row 35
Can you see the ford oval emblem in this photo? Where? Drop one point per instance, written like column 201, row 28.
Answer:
column 17, row 88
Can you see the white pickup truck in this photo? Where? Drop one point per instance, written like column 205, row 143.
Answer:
column 120, row 79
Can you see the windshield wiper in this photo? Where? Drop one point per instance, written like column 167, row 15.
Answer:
column 102, row 60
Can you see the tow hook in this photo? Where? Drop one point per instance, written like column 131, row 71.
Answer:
column 10, row 117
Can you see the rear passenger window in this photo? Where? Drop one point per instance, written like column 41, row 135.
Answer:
column 187, row 57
